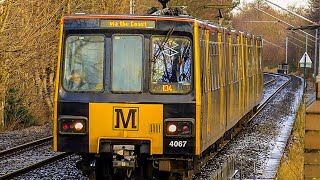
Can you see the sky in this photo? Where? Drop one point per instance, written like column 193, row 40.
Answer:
column 283, row 3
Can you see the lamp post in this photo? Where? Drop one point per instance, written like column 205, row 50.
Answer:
column 292, row 28
column 131, row 6
column 315, row 55
column 287, row 39
column 305, row 63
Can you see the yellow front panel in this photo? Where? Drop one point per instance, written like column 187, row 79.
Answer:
column 127, row 122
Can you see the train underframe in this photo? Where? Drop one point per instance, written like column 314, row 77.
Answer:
column 124, row 164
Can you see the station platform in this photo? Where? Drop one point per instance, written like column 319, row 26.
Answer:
column 312, row 141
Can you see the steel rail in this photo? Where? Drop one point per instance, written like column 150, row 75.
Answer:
column 260, row 107
column 25, row 146
column 269, row 82
column 34, row 166
column 273, row 79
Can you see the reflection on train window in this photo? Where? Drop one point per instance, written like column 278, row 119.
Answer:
column 214, row 57
column 250, row 60
column 171, row 65
column 83, row 66
column 234, row 62
column 259, row 56
column 127, row 63
column 254, row 58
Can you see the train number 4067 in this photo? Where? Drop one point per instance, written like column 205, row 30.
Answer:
column 178, row 143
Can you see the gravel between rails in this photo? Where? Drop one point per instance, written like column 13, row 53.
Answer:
column 272, row 87
column 11, row 139
column 64, row 169
column 14, row 162
column 268, row 77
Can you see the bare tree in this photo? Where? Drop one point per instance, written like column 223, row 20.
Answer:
column 29, row 33
column 4, row 14
column 259, row 18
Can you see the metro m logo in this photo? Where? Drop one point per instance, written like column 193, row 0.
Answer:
column 126, row 118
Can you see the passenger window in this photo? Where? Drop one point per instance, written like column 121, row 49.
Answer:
column 249, row 57
column 83, row 63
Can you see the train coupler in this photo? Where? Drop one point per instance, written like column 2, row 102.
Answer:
column 124, row 157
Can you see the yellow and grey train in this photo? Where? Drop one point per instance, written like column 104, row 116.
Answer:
column 150, row 95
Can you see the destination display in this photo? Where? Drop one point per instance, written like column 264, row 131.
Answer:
column 139, row 24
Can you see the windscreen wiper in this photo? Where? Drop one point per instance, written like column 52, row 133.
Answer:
column 161, row 48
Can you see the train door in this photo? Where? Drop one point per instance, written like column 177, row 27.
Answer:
column 208, row 92
column 241, row 71
column 246, row 74
column 234, row 84
column 260, row 74
column 228, row 85
column 204, row 98
column 216, row 125
column 256, row 75
column 223, row 77
column 249, row 73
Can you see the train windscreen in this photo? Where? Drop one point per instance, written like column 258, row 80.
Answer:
column 83, row 63
column 171, row 65
column 127, row 63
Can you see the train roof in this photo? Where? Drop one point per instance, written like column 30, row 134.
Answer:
column 182, row 18
column 130, row 16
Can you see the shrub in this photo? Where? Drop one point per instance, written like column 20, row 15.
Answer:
column 16, row 113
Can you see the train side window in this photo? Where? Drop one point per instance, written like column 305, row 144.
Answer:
column 221, row 61
column 241, row 46
column 256, row 57
column 260, row 56
column 127, row 65
column 227, row 60
column 234, row 62
column 214, row 58
column 214, row 63
column 83, row 63
column 249, row 57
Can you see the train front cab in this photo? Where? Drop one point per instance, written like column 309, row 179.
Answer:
column 134, row 115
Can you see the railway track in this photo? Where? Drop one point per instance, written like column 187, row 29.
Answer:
column 273, row 79
column 7, row 157
column 25, row 146
column 225, row 170
column 266, row 100
column 60, row 156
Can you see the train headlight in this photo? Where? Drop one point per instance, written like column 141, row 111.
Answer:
column 78, row 126
column 72, row 125
column 179, row 127
column 172, row 128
